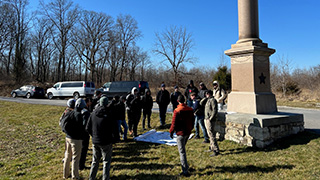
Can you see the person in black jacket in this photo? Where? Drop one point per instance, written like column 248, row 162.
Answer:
column 104, row 132
column 85, row 142
column 134, row 106
column 74, row 139
column 163, row 99
column 174, row 97
column 189, row 89
column 147, row 104
column 122, row 117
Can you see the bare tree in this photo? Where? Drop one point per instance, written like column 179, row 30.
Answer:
column 284, row 64
column 63, row 15
column 127, row 29
column 91, row 38
column 20, row 29
column 174, row 44
column 42, row 49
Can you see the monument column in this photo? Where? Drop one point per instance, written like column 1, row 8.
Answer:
column 250, row 67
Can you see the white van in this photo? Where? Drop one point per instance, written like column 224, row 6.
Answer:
column 73, row 89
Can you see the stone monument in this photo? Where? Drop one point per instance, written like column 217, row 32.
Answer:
column 253, row 118
column 250, row 69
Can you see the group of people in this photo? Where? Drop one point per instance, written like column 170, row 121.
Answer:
column 199, row 107
column 103, row 121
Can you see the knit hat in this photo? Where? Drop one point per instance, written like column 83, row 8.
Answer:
column 71, row 103
column 103, row 101
column 163, row 85
column 80, row 103
column 176, row 87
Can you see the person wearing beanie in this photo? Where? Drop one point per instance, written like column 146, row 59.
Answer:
column 163, row 100
column 189, row 89
column 210, row 118
column 74, row 139
column 182, row 125
column 174, row 97
column 104, row 132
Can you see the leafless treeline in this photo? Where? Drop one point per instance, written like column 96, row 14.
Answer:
column 60, row 42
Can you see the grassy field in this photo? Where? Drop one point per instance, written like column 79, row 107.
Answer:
column 32, row 147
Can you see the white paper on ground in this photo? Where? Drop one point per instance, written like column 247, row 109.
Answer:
column 159, row 137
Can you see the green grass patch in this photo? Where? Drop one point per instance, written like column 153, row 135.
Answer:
column 32, row 147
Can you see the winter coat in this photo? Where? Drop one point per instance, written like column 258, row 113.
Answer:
column 219, row 94
column 147, row 101
column 211, row 108
column 163, row 98
column 189, row 90
column 104, row 131
column 197, row 108
column 202, row 92
column 182, row 120
column 174, row 97
column 78, row 130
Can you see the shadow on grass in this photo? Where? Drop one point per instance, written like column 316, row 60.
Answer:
column 146, row 176
column 244, row 169
column 298, row 139
column 146, row 166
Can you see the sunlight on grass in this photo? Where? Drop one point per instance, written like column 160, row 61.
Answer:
column 32, row 147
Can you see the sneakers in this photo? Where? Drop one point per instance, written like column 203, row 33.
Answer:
column 197, row 137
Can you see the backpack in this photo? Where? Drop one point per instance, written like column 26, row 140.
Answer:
column 67, row 122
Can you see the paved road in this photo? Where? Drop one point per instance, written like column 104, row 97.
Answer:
column 311, row 116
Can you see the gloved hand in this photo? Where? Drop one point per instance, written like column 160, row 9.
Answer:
column 171, row 135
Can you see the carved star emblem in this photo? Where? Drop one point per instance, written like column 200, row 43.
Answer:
column 262, row 79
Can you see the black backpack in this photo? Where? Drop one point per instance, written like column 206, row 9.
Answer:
column 67, row 122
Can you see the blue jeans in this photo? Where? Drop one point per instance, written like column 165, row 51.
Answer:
column 200, row 120
column 125, row 126
column 163, row 112
column 104, row 151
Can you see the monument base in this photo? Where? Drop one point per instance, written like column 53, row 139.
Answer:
column 258, row 130
column 252, row 103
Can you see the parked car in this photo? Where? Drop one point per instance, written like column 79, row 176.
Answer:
column 28, row 91
column 73, row 89
column 120, row 88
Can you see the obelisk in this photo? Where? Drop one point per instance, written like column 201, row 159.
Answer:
column 250, row 66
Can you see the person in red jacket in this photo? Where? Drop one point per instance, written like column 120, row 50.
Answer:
column 182, row 125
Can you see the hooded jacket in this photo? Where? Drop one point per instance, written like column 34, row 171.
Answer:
column 218, row 93
column 102, row 128
column 129, row 98
column 78, row 124
column 190, row 89
column 147, row 101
